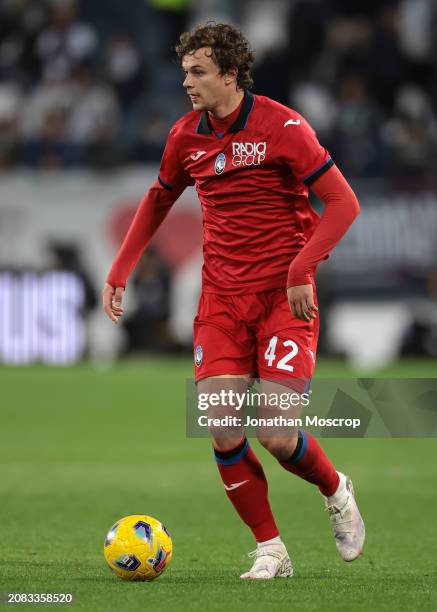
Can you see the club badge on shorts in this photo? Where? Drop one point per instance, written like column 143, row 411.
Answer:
column 198, row 355
column 220, row 163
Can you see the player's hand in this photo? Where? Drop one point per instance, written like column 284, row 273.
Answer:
column 301, row 301
column 112, row 299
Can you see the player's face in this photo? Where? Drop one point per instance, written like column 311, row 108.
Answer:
column 205, row 86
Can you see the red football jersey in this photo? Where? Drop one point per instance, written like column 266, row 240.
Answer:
column 252, row 183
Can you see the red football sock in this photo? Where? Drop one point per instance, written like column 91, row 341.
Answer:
column 246, row 487
column 310, row 462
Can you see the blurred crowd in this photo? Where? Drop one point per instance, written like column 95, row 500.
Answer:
column 95, row 84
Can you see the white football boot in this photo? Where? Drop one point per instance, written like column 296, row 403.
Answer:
column 346, row 521
column 271, row 561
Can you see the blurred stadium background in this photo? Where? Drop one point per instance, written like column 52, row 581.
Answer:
column 88, row 91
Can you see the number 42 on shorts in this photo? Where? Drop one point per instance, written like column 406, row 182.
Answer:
column 283, row 364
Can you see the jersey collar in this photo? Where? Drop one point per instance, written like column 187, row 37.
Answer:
column 239, row 123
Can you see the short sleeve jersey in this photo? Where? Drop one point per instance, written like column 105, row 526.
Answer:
column 252, row 183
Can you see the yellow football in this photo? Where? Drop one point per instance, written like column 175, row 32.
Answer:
column 138, row 547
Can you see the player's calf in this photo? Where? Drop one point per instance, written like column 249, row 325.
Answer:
column 280, row 447
column 310, row 462
column 246, row 487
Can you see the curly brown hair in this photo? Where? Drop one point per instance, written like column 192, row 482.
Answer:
column 230, row 49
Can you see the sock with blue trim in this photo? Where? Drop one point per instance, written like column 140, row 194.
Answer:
column 310, row 462
column 246, row 486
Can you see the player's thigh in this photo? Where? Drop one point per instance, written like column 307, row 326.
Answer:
column 224, row 395
column 287, row 346
column 279, row 410
column 222, row 342
column 286, row 360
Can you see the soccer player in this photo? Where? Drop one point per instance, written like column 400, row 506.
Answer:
column 252, row 161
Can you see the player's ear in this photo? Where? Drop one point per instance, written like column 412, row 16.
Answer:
column 231, row 76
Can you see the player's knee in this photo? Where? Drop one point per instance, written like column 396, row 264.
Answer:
column 281, row 448
column 225, row 442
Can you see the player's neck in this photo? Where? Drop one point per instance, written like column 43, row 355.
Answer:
column 228, row 106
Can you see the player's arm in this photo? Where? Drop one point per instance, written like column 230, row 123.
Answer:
column 341, row 207
column 150, row 214
column 312, row 165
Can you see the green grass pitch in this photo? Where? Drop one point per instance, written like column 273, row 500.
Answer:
column 81, row 447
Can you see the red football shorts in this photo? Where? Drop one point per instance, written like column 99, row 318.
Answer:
column 253, row 334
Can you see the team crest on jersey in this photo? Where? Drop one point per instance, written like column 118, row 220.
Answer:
column 248, row 153
column 220, row 163
column 198, row 355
